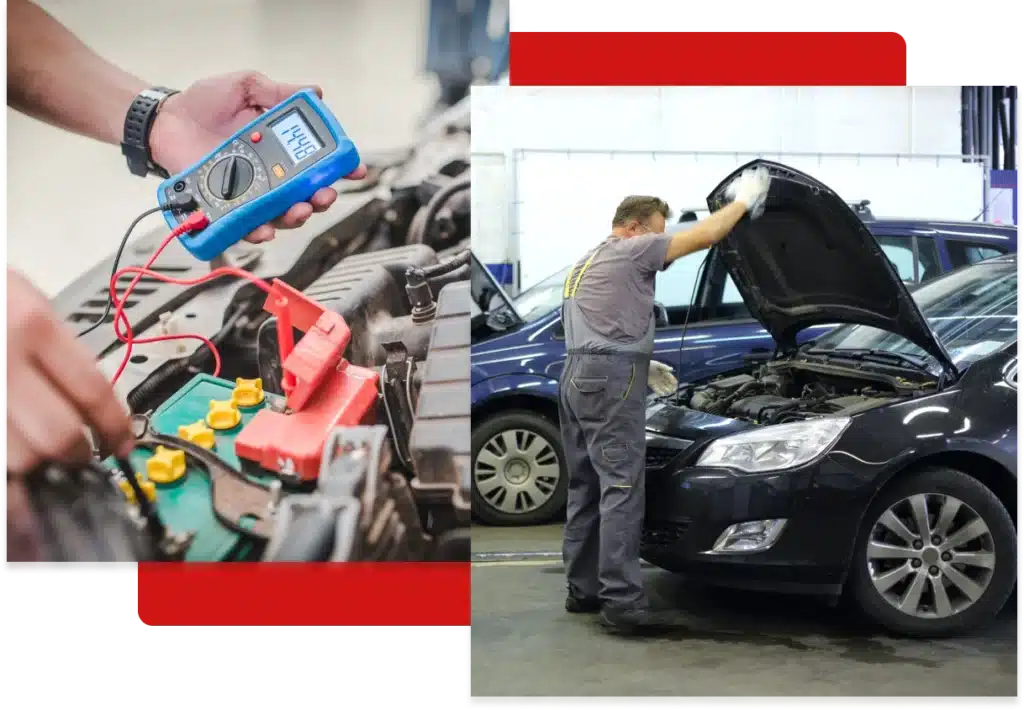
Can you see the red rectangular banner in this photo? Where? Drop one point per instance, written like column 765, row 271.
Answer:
column 304, row 594
column 707, row 59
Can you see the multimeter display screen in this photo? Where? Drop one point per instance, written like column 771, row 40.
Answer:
column 296, row 136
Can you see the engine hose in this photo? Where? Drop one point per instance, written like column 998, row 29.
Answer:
column 200, row 357
column 434, row 270
column 439, row 282
column 152, row 384
column 798, row 405
column 723, row 404
column 425, row 216
column 176, row 368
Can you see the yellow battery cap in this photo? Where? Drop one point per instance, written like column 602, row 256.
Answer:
column 223, row 414
column 247, row 393
column 148, row 489
column 198, row 433
column 165, row 465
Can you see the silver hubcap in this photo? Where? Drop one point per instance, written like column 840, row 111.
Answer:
column 516, row 471
column 931, row 556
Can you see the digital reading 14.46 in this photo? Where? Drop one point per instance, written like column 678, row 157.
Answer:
column 296, row 136
column 249, row 180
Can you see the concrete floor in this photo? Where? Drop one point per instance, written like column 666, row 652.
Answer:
column 742, row 644
column 367, row 55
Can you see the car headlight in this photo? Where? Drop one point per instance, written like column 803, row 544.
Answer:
column 775, row 447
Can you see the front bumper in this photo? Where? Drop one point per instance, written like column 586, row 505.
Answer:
column 689, row 507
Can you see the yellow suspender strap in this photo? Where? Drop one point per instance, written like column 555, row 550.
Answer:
column 568, row 281
column 579, row 275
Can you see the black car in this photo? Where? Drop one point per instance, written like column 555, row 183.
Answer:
column 878, row 460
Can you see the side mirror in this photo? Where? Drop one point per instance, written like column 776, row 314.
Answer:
column 660, row 316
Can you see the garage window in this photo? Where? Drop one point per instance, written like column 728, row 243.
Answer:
column 964, row 253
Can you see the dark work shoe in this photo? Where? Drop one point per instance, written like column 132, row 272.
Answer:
column 582, row 605
column 639, row 622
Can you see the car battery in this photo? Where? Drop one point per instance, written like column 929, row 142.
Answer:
column 185, row 499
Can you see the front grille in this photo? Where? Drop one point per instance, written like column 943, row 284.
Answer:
column 666, row 534
column 657, row 458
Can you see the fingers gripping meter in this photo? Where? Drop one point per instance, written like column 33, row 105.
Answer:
column 279, row 159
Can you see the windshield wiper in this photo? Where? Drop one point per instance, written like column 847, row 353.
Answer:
column 882, row 356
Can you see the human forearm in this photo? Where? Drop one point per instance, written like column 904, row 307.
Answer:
column 707, row 232
column 55, row 77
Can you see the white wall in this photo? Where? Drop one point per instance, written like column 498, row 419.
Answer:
column 565, row 201
column 489, row 200
column 571, row 153
column 787, row 119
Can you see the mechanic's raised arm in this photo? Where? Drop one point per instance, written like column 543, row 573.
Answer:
column 748, row 191
column 53, row 76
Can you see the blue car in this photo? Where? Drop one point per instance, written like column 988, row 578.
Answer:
column 518, row 474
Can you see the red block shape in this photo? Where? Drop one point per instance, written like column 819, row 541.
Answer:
column 283, row 594
column 293, row 443
column 707, row 59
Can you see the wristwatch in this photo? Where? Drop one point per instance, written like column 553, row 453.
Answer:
column 137, row 125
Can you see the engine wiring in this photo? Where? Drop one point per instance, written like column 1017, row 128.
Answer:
column 122, row 328
column 176, row 207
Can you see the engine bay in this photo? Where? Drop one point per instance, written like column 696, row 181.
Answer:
column 790, row 390
column 333, row 422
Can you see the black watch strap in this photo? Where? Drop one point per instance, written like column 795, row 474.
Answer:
column 137, row 125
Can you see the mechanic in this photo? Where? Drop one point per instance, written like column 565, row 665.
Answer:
column 607, row 313
column 54, row 387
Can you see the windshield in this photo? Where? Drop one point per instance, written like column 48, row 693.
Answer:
column 541, row 298
column 972, row 311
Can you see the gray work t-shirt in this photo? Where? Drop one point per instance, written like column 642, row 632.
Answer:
column 616, row 292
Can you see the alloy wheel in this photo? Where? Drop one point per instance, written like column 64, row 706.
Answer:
column 516, row 471
column 930, row 555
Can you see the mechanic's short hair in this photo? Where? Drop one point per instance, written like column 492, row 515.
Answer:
column 640, row 208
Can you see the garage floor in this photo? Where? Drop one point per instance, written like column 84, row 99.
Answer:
column 742, row 643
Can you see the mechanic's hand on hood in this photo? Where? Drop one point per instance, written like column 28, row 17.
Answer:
column 661, row 379
column 191, row 124
column 751, row 189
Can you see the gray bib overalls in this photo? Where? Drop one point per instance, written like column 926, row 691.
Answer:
column 602, row 391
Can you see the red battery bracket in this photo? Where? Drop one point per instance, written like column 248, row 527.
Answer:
column 322, row 389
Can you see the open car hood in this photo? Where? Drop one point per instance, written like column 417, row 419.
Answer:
column 809, row 260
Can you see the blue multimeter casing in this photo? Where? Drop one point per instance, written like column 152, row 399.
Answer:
column 277, row 160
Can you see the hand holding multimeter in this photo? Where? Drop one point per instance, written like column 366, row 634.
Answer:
column 277, row 160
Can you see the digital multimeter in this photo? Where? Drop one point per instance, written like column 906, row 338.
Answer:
column 279, row 159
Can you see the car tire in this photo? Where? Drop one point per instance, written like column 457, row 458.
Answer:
column 934, row 482
column 534, row 425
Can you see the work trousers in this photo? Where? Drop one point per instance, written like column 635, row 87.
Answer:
column 602, row 414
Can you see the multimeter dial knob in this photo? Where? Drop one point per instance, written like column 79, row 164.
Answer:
column 230, row 177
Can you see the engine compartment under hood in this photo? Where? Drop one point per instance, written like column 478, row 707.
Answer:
column 778, row 392
column 809, row 260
